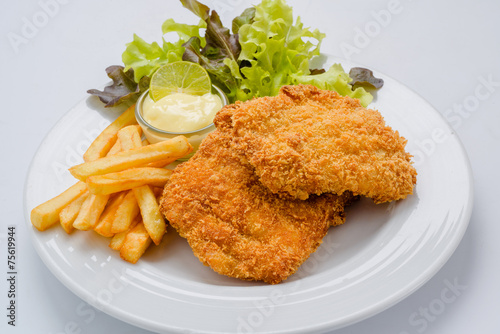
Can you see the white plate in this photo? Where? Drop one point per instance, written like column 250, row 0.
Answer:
column 381, row 255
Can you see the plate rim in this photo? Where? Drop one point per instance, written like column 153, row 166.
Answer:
column 365, row 313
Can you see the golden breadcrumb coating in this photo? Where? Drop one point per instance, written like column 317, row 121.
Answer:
column 310, row 141
column 237, row 226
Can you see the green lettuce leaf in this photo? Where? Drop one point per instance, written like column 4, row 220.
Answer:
column 184, row 31
column 278, row 52
column 145, row 58
column 265, row 50
column 338, row 80
column 275, row 48
column 246, row 17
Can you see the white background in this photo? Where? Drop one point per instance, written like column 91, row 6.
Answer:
column 443, row 50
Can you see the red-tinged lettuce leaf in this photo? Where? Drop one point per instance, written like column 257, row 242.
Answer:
column 316, row 71
column 219, row 73
column 363, row 77
column 220, row 45
column 123, row 89
column 197, row 8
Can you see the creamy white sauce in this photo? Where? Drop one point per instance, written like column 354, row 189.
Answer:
column 180, row 112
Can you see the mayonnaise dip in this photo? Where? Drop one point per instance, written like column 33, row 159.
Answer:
column 180, row 112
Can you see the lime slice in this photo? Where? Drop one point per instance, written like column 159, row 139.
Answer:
column 179, row 77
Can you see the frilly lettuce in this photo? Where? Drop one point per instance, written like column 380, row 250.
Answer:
column 279, row 52
column 275, row 48
column 338, row 80
column 265, row 50
column 146, row 58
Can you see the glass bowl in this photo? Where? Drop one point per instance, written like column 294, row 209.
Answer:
column 154, row 135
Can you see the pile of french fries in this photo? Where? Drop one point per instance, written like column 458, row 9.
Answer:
column 118, row 189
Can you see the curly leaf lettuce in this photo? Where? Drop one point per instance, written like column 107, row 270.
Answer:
column 337, row 80
column 265, row 50
column 246, row 17
column 146, row 58
column 278, row 51
column 142, row 59
column 274, row 47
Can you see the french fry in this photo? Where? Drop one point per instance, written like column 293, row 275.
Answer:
column 119, row 187
column 105, row 222
column 159, row 164
column 117, row 147
column 47, row 214
column 130, row 137
column 103, row 226
column 90, row 212
column 125, row 214
column 127, row 179
column 119, row 238
column 151, row 216
column 103, row 143
column 68, row 215
column 136, row 242
column 169, row 150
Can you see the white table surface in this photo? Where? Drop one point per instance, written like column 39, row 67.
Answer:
column 443, row 50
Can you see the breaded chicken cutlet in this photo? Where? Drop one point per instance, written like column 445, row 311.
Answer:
column 237, row 226
column 310, row 141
